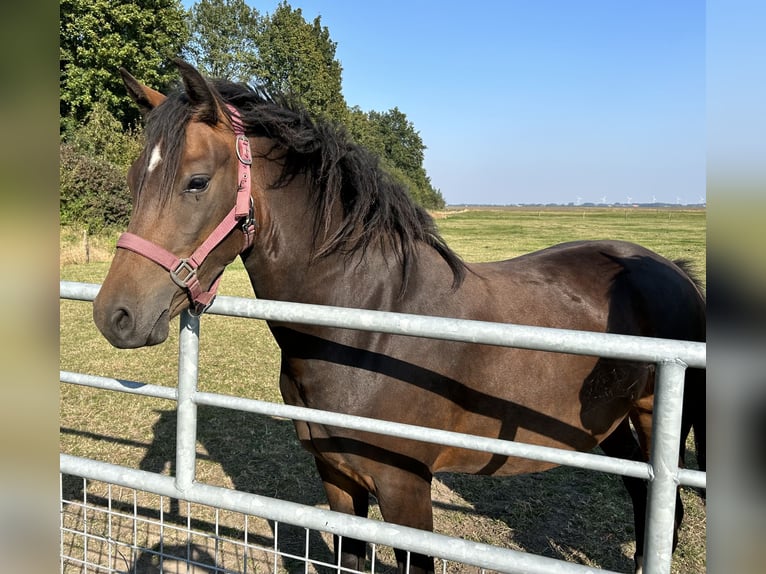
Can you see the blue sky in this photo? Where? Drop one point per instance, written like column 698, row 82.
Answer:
column 527, row 101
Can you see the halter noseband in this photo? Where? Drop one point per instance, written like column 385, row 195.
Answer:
column 183, row 271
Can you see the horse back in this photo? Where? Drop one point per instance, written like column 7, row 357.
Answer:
column 609, row 286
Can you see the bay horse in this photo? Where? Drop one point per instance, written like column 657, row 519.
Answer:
column 229, row 170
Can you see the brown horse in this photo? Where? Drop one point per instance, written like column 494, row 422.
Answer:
column 330, row 227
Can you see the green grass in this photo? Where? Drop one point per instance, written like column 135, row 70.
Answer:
column 565, row 513
column 493, row 234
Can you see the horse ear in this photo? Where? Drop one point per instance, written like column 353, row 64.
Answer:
column 199, row 92
column 146, row 98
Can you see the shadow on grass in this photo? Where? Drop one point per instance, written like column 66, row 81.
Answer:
column 564, row 513
column 260, row 455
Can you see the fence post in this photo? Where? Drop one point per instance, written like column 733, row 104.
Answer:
column 186, row 430
column 666, row 432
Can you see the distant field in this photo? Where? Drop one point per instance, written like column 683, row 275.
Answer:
column 563, row 513
column 488, row 234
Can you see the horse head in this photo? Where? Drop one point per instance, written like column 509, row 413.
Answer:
column 191, row 211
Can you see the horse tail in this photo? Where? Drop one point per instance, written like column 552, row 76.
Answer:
column 687, row 268
column 693, row 416
column 695, row 394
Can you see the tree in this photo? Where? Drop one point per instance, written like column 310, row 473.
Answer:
column 223, row 39
column 98, row 36
column 363, row 131
column 394, row 138
column 402, row 144
column 298, row 58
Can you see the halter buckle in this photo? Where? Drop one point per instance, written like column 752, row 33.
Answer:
column 189, row 274
column 243, row 150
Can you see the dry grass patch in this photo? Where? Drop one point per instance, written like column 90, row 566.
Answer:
column 78, row 247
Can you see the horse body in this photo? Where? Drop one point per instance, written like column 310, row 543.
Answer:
column 530, row 396
column 315, row 247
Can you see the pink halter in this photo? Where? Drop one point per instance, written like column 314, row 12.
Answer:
column 184, row 271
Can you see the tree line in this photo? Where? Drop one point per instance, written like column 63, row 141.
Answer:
column 101, row 129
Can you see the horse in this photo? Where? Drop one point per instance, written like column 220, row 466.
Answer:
column 230, row 170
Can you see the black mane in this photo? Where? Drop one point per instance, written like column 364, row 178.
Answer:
column 375, row 207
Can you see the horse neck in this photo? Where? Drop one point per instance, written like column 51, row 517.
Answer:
column 283, row 264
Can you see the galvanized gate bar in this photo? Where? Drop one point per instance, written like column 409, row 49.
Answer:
column 686, row 477
column 120, row 385
column 424, row 434
column 607, row 345
column 695, row 478
column 628, row 347
column 666, row 441
column 374, row 531
column 78, row 291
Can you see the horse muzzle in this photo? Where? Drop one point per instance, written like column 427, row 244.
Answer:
column 128, row 327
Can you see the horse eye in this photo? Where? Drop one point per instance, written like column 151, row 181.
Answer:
column 197, row 184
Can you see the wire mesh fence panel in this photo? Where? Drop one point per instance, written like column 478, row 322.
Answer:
column 106, row 528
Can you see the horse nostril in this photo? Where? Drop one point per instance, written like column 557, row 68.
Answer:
column 122, row 320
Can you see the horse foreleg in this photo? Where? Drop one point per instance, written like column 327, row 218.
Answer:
column 405, row 498
column 345, row 495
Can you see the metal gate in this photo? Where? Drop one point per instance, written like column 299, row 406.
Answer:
column 671, row 359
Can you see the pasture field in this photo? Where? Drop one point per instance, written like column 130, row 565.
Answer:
column 564, row 513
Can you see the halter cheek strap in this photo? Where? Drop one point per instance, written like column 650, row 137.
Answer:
column 183, row 271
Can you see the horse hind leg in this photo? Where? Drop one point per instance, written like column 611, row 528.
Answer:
column 693, row 417
column 641, row 416
column 622, row 444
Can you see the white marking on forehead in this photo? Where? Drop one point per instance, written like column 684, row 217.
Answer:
column 155, row 158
